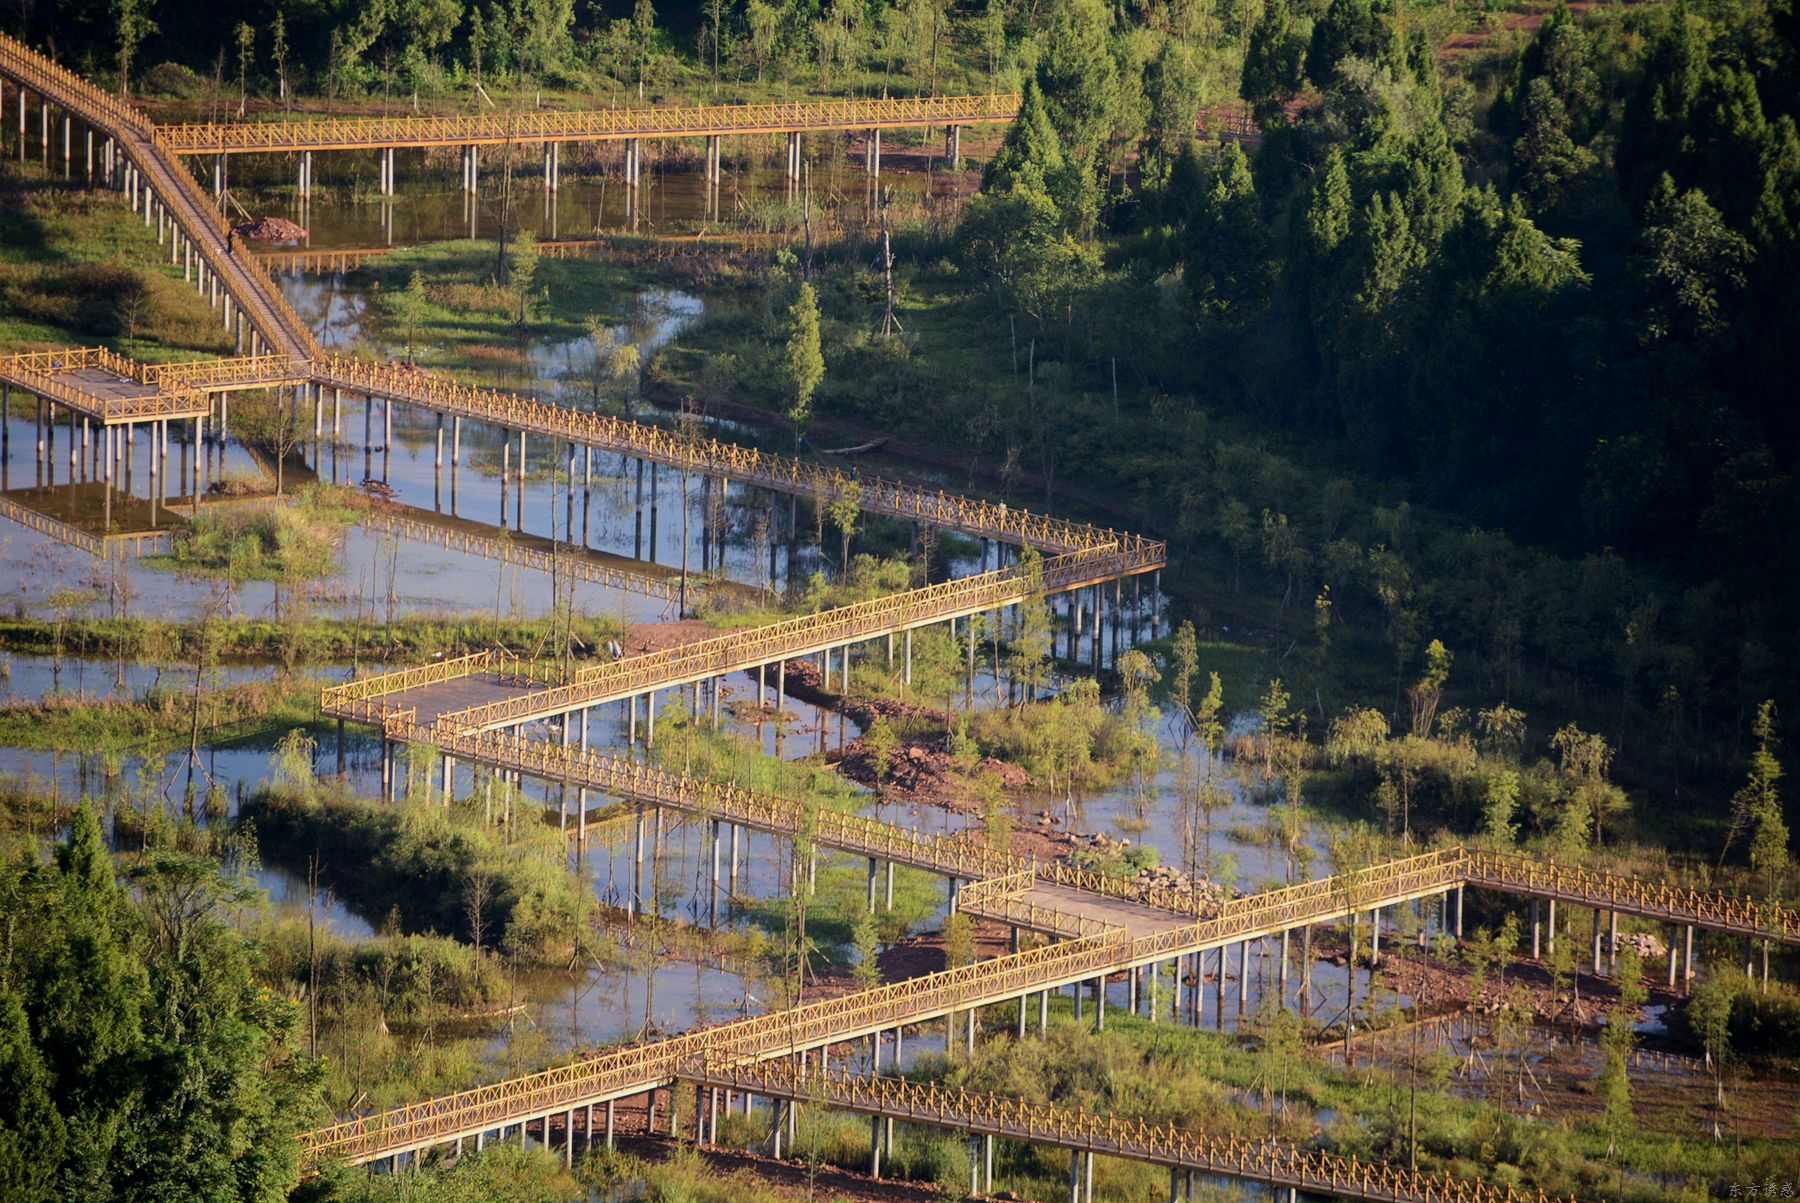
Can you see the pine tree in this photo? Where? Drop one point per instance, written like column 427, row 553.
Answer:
column 805, row 360
column 1173, row 91
column 1757, row 806
column 1031, row 145
column 1348, row 29
column 1328, row 214
column 32, row 1134
column 1080, row 78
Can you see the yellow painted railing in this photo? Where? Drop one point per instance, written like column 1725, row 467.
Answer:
column 1711, row 909
column 203, row 375
column 777, row 641
column 1007, row 898
column 31, row 68
column 334, row 697
column 182, row 403
column 342, row 133
column 640, row 1067
column 637, row 782
column 1264, row 1160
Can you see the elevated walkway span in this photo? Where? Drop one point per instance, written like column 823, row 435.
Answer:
column 589, row 125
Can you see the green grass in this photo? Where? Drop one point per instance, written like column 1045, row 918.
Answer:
column 304, row 639
column 294, row 539
column 468, row 320
column 424, row 864
column 161, row 720
column 78, row 268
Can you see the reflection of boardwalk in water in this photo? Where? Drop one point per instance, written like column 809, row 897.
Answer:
column 563, row 560
column 349, row 258
column 17, row 507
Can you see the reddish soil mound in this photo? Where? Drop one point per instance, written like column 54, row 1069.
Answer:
column 271, row 229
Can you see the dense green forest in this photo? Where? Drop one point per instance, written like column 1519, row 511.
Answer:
column 1496, row 359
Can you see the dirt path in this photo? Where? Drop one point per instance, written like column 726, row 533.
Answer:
column 1524, row 24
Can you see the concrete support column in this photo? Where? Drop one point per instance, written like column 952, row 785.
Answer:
column 637, row 868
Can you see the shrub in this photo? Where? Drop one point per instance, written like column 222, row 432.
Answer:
column 172, row 80
column 425, row 865
column 272, row 541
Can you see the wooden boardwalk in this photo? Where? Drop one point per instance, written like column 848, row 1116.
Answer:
column 1104, row 925
column 638, row 1068
column 738, row 651
column 588, row 125
column 113, row 389
column 1260, row 1160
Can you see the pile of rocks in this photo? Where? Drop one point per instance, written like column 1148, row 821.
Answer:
column 1650, row 947
column 1100, row 844
column 1094, row 845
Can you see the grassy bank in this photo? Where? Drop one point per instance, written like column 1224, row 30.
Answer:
column 302, row 639
column 78, row 268
column 449, row 872
column 161, row 720
column 291, row 540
